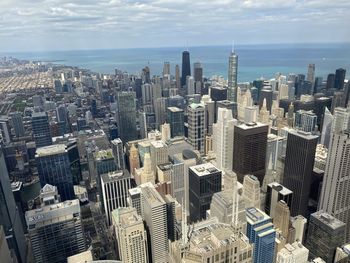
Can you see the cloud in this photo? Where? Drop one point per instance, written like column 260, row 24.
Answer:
column 142, row 23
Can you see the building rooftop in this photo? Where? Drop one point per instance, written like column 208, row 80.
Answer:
column 175, row 109
column 204, row 169
column 255, row 215
column 50, row 150
column 151, row 195
column 328, row 220
column 158, row 144
column 114, row 176
column 82, row 257
column 51, row 214
column 280, row 188
column 104, row 154
column 303, row 134
column 252, row 125
column 126, row 216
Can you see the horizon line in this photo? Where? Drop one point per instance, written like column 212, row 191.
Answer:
column 178, row 47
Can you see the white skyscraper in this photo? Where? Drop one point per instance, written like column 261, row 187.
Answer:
column 130, row 234
column 251, row 191
column 115, row 191
column 196, row 127
column 154, row 213
column 335, row 195
column 232, row 76
column 311, row 73
column 223, row 138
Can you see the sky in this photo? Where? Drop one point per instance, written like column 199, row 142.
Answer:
column 44, row 25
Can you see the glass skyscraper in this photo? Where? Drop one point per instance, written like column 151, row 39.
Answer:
column 41, row 129
column 54, row 168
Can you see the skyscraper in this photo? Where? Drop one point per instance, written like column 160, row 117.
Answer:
column 186, row 67
column 54, row 168
column 251, row 191
column 281, row 220
column 134, row 160
column 261, row 233
column 176, row 121
column 339, row 78
column 325, row 234
column 205, row 180
column 196, row 126
column 131, row 235
column 311, row 73
column 275, row 193
column 9, row 215
column 330, row 81
column 41, row 129
column 198, row 72
column 126, row 116
column 223, row 137
column 299, row 163
column 232, row 76
column 305, row 121
column 154, row 213
column 56, row 231
column 166, row 68
column 177, row 78
column 335, row 188
column 115, row 191
column 118, row 153
column 249, row 150
column 17, row 123
column 295, row 252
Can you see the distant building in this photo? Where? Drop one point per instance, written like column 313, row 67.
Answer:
column 118, row 153
column 196, row 126
column 176, row 121
column 17, row 123
column 325, row 234
column 186, row 67
column 41, row 129
column 232, row 77
column 126, row 116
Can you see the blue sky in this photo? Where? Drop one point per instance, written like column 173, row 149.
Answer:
column 29, row 25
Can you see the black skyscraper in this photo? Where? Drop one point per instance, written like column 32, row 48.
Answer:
column 330, row 81
column 339, row 78
column 249, row 150
column 9, row 215
column 186, row 67
column 299, row 163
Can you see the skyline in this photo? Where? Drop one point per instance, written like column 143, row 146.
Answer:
column 69, row 25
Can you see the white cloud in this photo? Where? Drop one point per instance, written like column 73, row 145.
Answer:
column 132, row 23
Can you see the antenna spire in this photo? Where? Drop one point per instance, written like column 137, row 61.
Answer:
column 233, row 46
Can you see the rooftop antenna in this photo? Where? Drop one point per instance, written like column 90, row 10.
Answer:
column 233, row 46
column 186, row 45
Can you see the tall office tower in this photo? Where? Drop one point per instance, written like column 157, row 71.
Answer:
column 261, row 233
column 130, row 234
column 134, row 160
column 305, row 121
column 311, row 73
column 251, row 191
column 346, row 99
column 249, row 150
column 190, row 85
column 275, row 193
column 17, row 123
column 41, row 129
column 299, row 224
column 222, row 138
column 295, row 252
column 159, row 153
column 147, row 90
column 146, row 75
column 326, row 127
column 56, row 231
column 281, row 220
column 126, row 116
column 118, row 153
column 264, row 114
column 232, row 76
column 154, row 213
column 335, row 188
column 339, row 78
column 104, row 162
column 166, row 132
column 54, row 168
column 147, row 174
column 196, row 126
column 299, row 163
column 290, row 115
column 74, row 160
column 186, row 67
column 205, row 180
column 9, row 215
column 330, row 81
column 166, row 68
column 62, row 113
column 115, row 191
column 325, row 234
column 177, row 77
column 198, row 72
column 212, row 241
column 160, row 110
column 176, row 121
column 5, row 129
